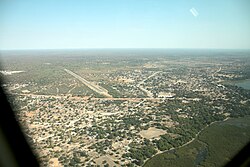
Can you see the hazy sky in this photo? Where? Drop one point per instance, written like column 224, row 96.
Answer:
column 48, row 24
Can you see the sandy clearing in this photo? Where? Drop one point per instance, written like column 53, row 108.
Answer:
column 109, row 160
column 53, row 162
column 152, row 132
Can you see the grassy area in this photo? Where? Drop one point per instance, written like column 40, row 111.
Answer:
column 215, row 146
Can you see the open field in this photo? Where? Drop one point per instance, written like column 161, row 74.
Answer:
column 152, row 133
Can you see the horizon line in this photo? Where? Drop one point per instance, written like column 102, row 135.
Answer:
column 44, row 49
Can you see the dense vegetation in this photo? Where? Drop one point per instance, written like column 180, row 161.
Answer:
column 215, row 146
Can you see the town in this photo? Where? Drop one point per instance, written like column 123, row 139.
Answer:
column 122, row 112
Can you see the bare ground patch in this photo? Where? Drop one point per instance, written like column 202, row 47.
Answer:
column 152, row 133
column 105, row 158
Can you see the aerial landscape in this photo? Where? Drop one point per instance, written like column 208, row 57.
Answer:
column 125, row 83
column 111, row 108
